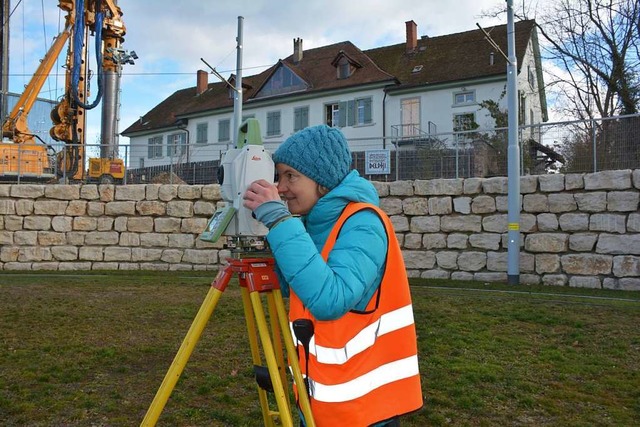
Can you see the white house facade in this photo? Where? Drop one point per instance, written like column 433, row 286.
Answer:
column 425, row 86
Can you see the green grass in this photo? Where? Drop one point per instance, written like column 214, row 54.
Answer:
column 91, row 349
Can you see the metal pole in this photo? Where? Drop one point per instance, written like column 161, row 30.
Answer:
column 513, row 162
column 593, row 146
column 237, row 101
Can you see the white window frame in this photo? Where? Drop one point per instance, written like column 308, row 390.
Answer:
column 468, row 97
column 154, row 150
column 274, row 123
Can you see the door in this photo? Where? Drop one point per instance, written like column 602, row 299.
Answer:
column 410, row 115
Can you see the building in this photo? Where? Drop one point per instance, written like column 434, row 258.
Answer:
column 384, row 97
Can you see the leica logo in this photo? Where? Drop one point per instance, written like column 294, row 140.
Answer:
column 256, row 158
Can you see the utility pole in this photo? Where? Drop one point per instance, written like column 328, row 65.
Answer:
column 513, row 158
column 4, row 58
column 237, row 103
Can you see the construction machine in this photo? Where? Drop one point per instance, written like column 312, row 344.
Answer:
column 22, row 156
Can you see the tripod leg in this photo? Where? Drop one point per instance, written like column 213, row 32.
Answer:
column 255, row 352
column 303, row 398
column 181, row 358
column 272, row 364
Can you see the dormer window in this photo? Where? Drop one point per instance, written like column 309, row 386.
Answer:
column 345, row 66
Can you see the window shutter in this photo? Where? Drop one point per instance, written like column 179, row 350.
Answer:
column 342, row 114
column 367, row 110
column 351, row 113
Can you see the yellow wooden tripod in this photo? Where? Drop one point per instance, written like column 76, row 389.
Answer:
column 257, row 277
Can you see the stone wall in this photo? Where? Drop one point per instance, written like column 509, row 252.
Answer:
column 579, row 230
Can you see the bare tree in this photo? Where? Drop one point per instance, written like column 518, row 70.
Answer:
column 594, row 47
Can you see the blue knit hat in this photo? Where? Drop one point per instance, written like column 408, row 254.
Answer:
column 319, row 152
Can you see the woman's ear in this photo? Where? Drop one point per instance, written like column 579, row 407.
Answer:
column 322, row 190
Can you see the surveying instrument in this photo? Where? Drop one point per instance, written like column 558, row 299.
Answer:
column 251, row 261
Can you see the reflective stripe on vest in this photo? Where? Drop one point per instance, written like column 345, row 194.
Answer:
column 387, row 323
column 358, row 387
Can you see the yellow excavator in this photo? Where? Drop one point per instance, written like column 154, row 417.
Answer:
column 22, row 156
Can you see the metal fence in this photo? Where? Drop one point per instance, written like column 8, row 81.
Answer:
column 567, row 147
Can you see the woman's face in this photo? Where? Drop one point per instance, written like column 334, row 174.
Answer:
column 299, row 191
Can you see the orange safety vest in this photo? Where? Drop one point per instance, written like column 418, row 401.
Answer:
column 363, row 367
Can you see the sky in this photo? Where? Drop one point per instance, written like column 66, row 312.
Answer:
column 171, row 37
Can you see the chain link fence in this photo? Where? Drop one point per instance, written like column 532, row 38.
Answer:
column 567, row 147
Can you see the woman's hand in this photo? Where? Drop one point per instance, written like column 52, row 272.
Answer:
column 259, row 192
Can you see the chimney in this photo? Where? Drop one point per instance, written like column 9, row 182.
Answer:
column 297, row 50
column 202, row 80
column 412, row 36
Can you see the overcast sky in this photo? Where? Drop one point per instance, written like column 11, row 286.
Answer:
column 170, row 37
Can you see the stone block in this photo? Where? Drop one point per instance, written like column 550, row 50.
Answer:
column 27, row 191
column 551, row 183
column 547, row 263
column 623, row 201
column 167, row 225
column 462, row 205
column 434, row 241
column 135, row 192
column 425, row 224
column 204, row 208
column 412, row 241
column 200, row 256
column 193, row 225
column 51, row 238
column 139, row 225
column 381, row 187
column 483, row 205
column 62, row 224
column 457, row 241
column 50, row 207
column 415, row 206
column 591, row 202
column 91, row 253
column 546, row 242
column 89, row 192
column 608, row 180
column 626, row 266
column 95, row 208
column 472, row 185
column 180, row 209
column 440, row 205
column 488, row 241
column 117, row 253
column 76, row 208
column 189, row 192
column 610, row 223
column 471, row 223
column 633, row 223
column 24, row 238
column 37, row 223
column 181, row 241
column 419, row 260
column 495, row 185
column 151, row 208
column 447, row 259
column 547, row 222
column 400, row 223
column 62, row 192
column 572, row 222
column 435, row 274
column 439, row 187
column 585, row 282
column 586, row 264
column 120, row 208
column 555, row 279
column 106, row 192
column 212, row 192
column 391, row 206
column 154, row 240
column 65, row 253
column 102, row 238
column 24, row 207
column 562, row 202
column 574, row 181
column 535, row 203
column 582, row 242
column 472, row 261
column 401, row 188
column 528, row 184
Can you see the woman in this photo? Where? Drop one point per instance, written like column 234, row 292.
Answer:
column 338, row 258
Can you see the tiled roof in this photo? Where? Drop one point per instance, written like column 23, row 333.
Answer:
column 452, row 57
column 448, row 58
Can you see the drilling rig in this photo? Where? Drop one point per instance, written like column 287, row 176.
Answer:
column 21, row 155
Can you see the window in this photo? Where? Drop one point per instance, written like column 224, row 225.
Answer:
column 332, row 115
column 363, row 111
column 532, row 77
column 176, row 144
column 349, row 113
column 223, row 130
column 273, row 123
column 464, row 122
column 464, row 98
column 155, row 147
column 282, row 81
column 300, row 118
column 141, row 163
column 202, row 131
column 344, row 68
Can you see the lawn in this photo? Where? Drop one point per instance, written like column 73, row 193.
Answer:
column 91, row 349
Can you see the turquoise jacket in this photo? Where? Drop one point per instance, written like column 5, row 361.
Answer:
column 356, row 264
